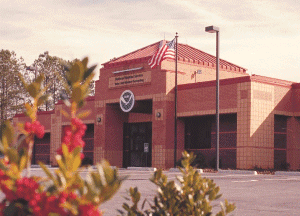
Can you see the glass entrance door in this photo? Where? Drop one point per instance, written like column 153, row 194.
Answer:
column 137, row 144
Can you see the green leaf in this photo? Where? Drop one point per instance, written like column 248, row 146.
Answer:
column 3, row 167
column 28, row 109
column 83, row 114
column 65, row 114
column 61, row 164
column 89, row 72
column 77, row 93
column 76, row 163
column 60, row 177
column 13, row 155
column 65, row 150
column 23, row 163
column 85, row 62
column 76, row 72
column 76, row 151
column 87, row 82
column 65, row 83
column 46, row 170
column 40, row 79
column 33, row 89
column 43, row 99
column 7, row 134
column 81, row 103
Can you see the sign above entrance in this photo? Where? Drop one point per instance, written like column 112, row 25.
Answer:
column 127, row 101
column 130, row 79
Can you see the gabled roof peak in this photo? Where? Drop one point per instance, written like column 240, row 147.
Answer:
column 185, row 53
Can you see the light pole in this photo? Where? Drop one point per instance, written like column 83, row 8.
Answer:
column 214, row 29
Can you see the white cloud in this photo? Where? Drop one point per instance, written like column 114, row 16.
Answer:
column 259, row 35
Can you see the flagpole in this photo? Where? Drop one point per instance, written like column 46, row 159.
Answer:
column 175, row 123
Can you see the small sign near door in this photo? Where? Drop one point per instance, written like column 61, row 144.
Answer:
column 146, row 147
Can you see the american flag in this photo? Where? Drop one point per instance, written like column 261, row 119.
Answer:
column 165, row 51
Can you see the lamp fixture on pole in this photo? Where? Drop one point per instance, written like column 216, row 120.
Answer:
column 214, row 29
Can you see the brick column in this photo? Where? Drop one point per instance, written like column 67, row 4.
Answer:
column 55, row 134
column 255, row 130
column 99, row 132
column 244, row 152
column 163, row 132
column 293, row 147
column 262, row 125
column 113, row 134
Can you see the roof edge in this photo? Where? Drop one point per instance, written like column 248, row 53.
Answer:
column 232, row 68
column 108, row 62
column 253, row 78
column 213, row 83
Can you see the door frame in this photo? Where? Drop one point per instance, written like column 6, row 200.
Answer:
column 127, row 139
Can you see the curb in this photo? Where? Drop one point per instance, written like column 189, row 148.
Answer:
column 177, row 170
column 142, row 168
column 288, row 173
column 247, row 172
column 38, row 166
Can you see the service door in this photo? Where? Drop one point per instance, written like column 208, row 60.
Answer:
column 137, row 144
column 41, row 150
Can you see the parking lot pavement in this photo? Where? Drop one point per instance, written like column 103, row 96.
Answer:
column 260, row 194
column 253, row 194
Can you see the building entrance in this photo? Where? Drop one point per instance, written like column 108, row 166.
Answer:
column 137, row 144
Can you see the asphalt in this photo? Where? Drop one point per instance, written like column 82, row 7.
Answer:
column 261, row 194
column 252, row 194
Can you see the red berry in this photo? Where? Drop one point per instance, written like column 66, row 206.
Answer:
column 27, row 127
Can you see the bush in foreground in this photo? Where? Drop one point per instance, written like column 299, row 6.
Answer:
column 192, row 196
column 63, row 192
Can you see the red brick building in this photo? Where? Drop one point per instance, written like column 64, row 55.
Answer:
column 259, row 116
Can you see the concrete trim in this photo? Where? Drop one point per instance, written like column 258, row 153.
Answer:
column 38, row 166
column 248, row 172
column 142, row 168
column 177, row 170
column 288, row 173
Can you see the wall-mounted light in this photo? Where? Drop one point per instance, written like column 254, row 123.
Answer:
column 99, row 119
column 158, row 114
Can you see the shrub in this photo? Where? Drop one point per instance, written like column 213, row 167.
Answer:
column 284, row 166
column 193, row 195
column 199, row 161
column 63, row 192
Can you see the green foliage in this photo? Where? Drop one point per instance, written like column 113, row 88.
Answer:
column 198, row 162
column 98, row 187
column 11, row 92
column 51, row 67
column 77, row 83
column 192, row 196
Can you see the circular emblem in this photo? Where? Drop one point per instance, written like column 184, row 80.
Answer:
column 127, row 101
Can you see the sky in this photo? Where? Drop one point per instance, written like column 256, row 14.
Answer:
column 260, row 35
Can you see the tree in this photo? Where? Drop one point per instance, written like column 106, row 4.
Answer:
column 12, row 93
column 54, row 69
column 51, row 67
